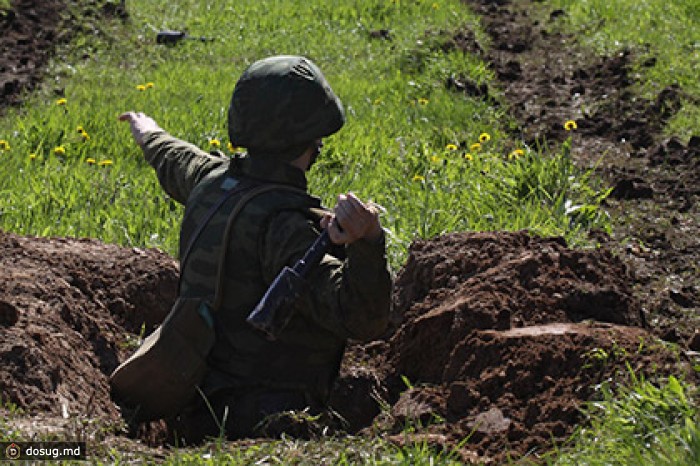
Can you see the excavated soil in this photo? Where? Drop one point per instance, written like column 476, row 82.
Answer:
column 68, row 311
column 499, row 337
column 30, row 32
column 496, row 337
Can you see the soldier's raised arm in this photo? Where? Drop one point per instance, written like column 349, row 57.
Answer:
column 179, row 165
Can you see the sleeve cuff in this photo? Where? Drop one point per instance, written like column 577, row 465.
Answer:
column 367, row 252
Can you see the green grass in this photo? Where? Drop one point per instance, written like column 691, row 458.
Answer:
column 643, row 423
column 666, row 32
column 394, row 148
column 407, row 145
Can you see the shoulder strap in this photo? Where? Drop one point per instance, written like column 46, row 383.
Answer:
column 210, row 213
column 218, row 293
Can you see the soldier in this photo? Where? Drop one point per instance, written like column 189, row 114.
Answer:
column 281, row 109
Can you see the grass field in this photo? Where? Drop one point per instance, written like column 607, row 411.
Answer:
column 436, row 160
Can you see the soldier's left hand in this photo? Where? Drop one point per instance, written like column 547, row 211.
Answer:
column 351, row 220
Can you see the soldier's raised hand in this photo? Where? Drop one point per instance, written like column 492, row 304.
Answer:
column 140, row 124
column 351, row 220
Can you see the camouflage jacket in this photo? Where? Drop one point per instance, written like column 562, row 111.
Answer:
column 349, row 292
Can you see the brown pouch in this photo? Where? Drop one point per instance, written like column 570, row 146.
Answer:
column 163, row 375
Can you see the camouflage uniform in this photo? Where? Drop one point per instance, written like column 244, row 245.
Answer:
column 348, row 296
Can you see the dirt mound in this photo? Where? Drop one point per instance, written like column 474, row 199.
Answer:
column 499, row 339
column 496, row 336
column 479, row 281
column 68, row 312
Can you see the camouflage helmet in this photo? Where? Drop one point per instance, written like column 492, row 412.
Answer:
column 280, row 105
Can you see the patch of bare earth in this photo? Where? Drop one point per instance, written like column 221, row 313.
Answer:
column 30, row 32
column 497, row 338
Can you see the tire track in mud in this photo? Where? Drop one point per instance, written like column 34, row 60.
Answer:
column 548, row 78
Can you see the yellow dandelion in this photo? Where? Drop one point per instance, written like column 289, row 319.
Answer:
column 105, row 163
column 141, row 87
column 215, row 143
column 32, row 156
column 59, row 150
column 570, row 125
column 476, row 147
column 423, row 101
column 4, row 145
column 90, row 161
column 484, row 137
column 418, row 178
column 451, row 147
column 61, row 101
column 80, row 129
column 149, row 85
column 230, row 147
column 516, row 154
column 435, row 159
column 469, row 156
column 85, row 135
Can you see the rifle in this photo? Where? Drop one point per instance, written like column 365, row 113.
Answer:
column 274, row 310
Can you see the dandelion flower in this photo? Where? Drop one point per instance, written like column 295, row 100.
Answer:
column 141, row 87
column 570, row 125
column 90, row 161
column 476, row 147
column 32, row 156
column 451, row 147
column 105, row 163
column 59, row 150
column 423, row 101
column 469, row 156
column 4, row 145
column 418, row 178
column 215, row 143
column 85, row 135
column 80, row 129
column 149, row 85
column 435, row 159
column 517, row 153
column 61, row 101
column 484, row 137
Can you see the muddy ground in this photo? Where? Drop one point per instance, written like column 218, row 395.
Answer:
column 498, row 337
